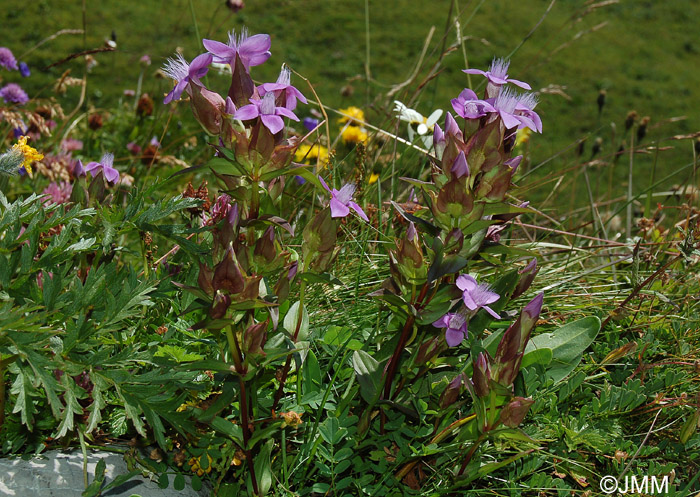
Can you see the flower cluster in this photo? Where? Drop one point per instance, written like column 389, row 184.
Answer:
column 352, row 121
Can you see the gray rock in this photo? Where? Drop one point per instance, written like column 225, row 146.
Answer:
column 60, row 474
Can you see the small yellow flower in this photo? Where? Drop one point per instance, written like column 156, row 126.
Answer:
column 353, row 114
column 30, row 154
column 354, row 134
column 523, row 136
column 196, row 465
column 373, row 178
column 312, row 154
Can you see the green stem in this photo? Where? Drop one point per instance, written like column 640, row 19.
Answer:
column 246, row 435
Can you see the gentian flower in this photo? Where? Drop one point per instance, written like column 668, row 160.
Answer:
column 7, row 59
column 310, row 123
column 13, row 93
column 341, row 201
column 497, row 76
column 525, row 110
column 477, row 296
column 505, row 106
column 423, row 125
column 267, row 111
column 78, row 169
column 468, row 106
column 283, row 87
column 456, row 325
column 24, row 70
column 105, row 165
column 451, row 127
column 252, row 50
column 185, row 74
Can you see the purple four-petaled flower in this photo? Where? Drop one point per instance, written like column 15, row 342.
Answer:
column 283, row 87
column 267, row 111
column 185, row 74
column 456, row 325
column 476, row 296
column 105, row 165
column 341, row 201
column 252, row 50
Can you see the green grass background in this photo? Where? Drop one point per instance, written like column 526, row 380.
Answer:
column 643, row 53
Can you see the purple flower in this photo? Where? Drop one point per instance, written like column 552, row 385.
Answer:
column 525, row 110
column 283, row 87
column 505, row 106
column 468, row 106
column 230, row 107
column 59, row 193
column 310, row 123
column 460, row 167
column 111, row 174
column 133, row 148
column 268, row 112
column 7, row 60
column 456, row 325
column 185, row 74
column 13, row 93
column 477, row 296
column 497, row 76
column 145, row 60
column 513, row 163
column 252, row 50
column 451, row 127
column 24, row 70
column 341, row 201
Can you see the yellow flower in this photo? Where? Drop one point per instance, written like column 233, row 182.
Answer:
column 196, row 465
column 523, row 136
column 312, row 154
column 352, row 114
column 354, row 134
column 30, row 154
column 373, row 178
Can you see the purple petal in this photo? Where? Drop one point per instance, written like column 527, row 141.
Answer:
column 286, row 113
column 255, row 44
column 274, row 123
column 453, row 337
column 467, row 94
column 521, row 84
column 460, row 166
column 509, row 120
column 359, row 210
column 469, row 301
column 111, row 174
column 247, row 112
column 200, row 66
column 257, row 59
column 491, row 311
column 92, row 166
column 442, row 322
column 176, row 92
column 474, row 71
column 338, row 209
column 324, row 185
column 466, row 282
column 222, row 51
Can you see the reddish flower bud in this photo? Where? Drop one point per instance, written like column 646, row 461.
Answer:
column 219, row 306
column 528, row 274
column 227, row 275
column 482, row 375
column 515, row 411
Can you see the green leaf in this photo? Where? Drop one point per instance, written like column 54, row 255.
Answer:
column 331, row 431
column 263, row 471
column 369, row 374
column 291, row 320
column 179, row 482
column 541, row 356
column 567, row 344
column 93, row 489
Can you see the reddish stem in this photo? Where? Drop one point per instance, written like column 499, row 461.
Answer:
column 246, row 435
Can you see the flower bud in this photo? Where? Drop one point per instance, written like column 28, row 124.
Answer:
column 450, row 395
column 204, row 279
column 514, row 412
column 208, row 108
column 254, row 338
column 227, row 275
column 320, row 236
column 408, row 257
column 528, row 274
column 219, row 306
column 482, row 375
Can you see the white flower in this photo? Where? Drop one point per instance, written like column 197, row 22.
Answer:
column 418, row 123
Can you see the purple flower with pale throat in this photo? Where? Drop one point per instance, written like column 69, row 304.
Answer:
column 7, row 59
column 13, row 93
column 497, row 76
column 185, row 74
column 283, row 87
column 267, row 111
column 456, row 325
column 505, row 106
column 525, row 110
column 476, row 296
column 468, row 106
column 252, row 50
column 105, row 165
column 341, row 201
